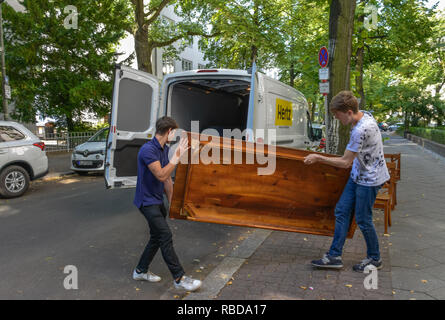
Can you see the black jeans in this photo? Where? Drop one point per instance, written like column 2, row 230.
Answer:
column 160, row 237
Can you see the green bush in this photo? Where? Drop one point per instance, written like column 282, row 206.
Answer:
column 436, row 135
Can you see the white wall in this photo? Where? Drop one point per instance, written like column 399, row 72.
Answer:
column 190, row 53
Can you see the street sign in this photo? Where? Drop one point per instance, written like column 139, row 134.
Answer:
column 323, row 57
column 323, row 74
column 7, row 92
column 324, row 87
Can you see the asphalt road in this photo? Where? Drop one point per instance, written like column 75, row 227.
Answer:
column 76, row 221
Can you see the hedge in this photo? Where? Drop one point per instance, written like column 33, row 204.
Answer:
column 436, row 135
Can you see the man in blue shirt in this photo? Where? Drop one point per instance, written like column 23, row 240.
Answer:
column 154, row 177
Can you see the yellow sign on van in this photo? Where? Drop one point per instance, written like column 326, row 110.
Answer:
column 283, row 113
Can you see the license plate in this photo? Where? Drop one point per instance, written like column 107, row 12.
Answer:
column 85, row 163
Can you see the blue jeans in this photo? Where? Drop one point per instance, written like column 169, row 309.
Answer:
column 160, row 237
column 361, row 199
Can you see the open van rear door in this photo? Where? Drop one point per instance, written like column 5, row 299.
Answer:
column 133, row 119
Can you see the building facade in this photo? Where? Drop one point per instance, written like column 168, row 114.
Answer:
column 189, row 59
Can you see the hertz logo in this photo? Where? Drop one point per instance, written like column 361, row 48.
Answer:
column 283, row 113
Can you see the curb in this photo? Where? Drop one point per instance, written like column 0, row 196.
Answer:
column 56, row 175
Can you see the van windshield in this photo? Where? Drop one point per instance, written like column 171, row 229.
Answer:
column 100, row 136
column 216, row 103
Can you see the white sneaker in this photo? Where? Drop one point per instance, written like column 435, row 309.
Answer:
column 188, row 284
column 146, row 276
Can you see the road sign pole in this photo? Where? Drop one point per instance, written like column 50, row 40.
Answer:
column 323, row 61
column 327, row 122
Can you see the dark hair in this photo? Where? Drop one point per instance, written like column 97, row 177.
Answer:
column 344, row 101
column 164, row 124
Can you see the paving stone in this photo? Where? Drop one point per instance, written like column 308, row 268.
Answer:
column 437, row 271
column 411, row 260
column 411, row 295
column 437, row 293
column 408, row 279
column 436, row 253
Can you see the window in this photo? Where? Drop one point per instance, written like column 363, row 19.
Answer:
column 10, row 134
column 135, row 99
column 187, row 65
column 168, row 67
column 100, row 136
column 169, row 21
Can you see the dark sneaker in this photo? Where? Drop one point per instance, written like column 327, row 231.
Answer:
column 328, row 262
column 360, row 267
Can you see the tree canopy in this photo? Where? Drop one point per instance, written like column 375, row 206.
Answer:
column 397, row 68
column 60, row 58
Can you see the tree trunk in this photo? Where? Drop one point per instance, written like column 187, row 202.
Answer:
column 406, row 121
column 254, row 55
column 141, row 44
column 292, row 75
column 143, row 51
column 69, row 123
column 313, row 111
column 359, row 78
column 341, row 25
column 359, row 61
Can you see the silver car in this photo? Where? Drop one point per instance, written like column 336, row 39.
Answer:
column 22, row 159
column 90, row 156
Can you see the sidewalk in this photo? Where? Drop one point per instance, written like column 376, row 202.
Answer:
column 413, row 254
column 418, row 233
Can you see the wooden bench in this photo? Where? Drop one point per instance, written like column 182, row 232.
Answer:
column 387, row 197
column 384, row 200
column 395, row 158
column 392, row 168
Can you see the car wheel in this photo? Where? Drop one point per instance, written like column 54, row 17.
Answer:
column 14, row 181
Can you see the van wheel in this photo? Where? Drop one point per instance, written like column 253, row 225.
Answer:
column 14, row 181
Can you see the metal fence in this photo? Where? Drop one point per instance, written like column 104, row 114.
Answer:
column 64, row 141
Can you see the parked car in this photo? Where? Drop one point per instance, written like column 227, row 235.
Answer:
column 394, row 127
column 383, row 126
column 22, row 159
column 319, row 134
column 90, row 156
column 319, row 131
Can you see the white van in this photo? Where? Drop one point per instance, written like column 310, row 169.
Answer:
column 218, row 99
